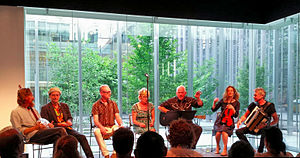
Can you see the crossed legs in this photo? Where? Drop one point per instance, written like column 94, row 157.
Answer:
column 100, row 139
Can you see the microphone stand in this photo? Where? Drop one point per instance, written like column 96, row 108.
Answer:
column 148, row 117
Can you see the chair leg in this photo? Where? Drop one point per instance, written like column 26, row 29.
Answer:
column 40, row 151
column 33, row 150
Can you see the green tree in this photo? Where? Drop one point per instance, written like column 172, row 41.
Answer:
column 243, row 83
column 172, row 68
column 205, row 81
column 96, row 70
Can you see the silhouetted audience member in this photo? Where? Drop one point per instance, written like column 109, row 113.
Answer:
column 66, row 147
column 274, row 144
column 241, row 149
column 11, row 143
column 123, row 140
column 149, row 145
column 181, row 137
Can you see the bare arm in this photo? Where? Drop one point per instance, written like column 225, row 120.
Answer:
column 243, row 118
column 163, row 109
column 38, row 126
column 197, row 96
column 152, row 118
column 275, row 119
column 118, row 119
column 135, row 121
column 214, row 103
column 98, row 124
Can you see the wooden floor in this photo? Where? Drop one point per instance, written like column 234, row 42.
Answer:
column 208, row 153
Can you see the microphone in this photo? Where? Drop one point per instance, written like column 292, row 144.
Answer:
column 146, row 75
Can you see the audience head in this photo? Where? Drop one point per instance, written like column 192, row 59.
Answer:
column 274, row 140
column 66, row 146
column 181, row 134
column 241, row 149
column 123, row 140
column 25, row 97
column 149, row 145
column 230, row 91
column 180, row 92
column 12, row 144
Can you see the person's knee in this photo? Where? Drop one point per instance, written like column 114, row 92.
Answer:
column 62, row 131
column 80, row 137
column 97, row 132
column 238, row 132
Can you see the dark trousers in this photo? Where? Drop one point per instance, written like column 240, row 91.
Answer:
column 197, row 131
column 48, row 136
column 241, row 135
column 83, row 142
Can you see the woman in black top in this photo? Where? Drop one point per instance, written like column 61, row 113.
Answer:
column 224, row 123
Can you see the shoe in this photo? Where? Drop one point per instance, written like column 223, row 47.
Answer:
column 217, row 151
column 224, row 153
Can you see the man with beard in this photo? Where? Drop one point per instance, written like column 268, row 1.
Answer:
column 26, row 120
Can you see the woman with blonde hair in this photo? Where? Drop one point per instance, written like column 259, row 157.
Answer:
column 140, row 113
column 224, row 123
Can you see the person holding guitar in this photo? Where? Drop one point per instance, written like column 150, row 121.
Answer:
column 183, row 103
column 268, row 109
column 224, row 123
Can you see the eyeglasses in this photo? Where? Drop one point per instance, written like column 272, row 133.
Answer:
column 106, row 92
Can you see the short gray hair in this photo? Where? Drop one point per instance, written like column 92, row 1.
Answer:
column 180, row 87
column 101, row 87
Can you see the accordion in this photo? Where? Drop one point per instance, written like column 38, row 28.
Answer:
column 256, row 117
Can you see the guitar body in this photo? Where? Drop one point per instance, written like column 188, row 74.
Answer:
column 166, row 118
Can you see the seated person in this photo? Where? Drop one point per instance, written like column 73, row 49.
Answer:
column 66, row 147
column 181, row 138
column 183, row 103
column 139, row 113
column 60, row 115
column 26, row 120
column 270, row 111
column 241, row 148
column 123, row 140
column 105, row 111
column 150, row 145
column 274, row 144
column 11, row 143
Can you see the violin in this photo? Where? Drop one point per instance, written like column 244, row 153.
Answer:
column 227, row 117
